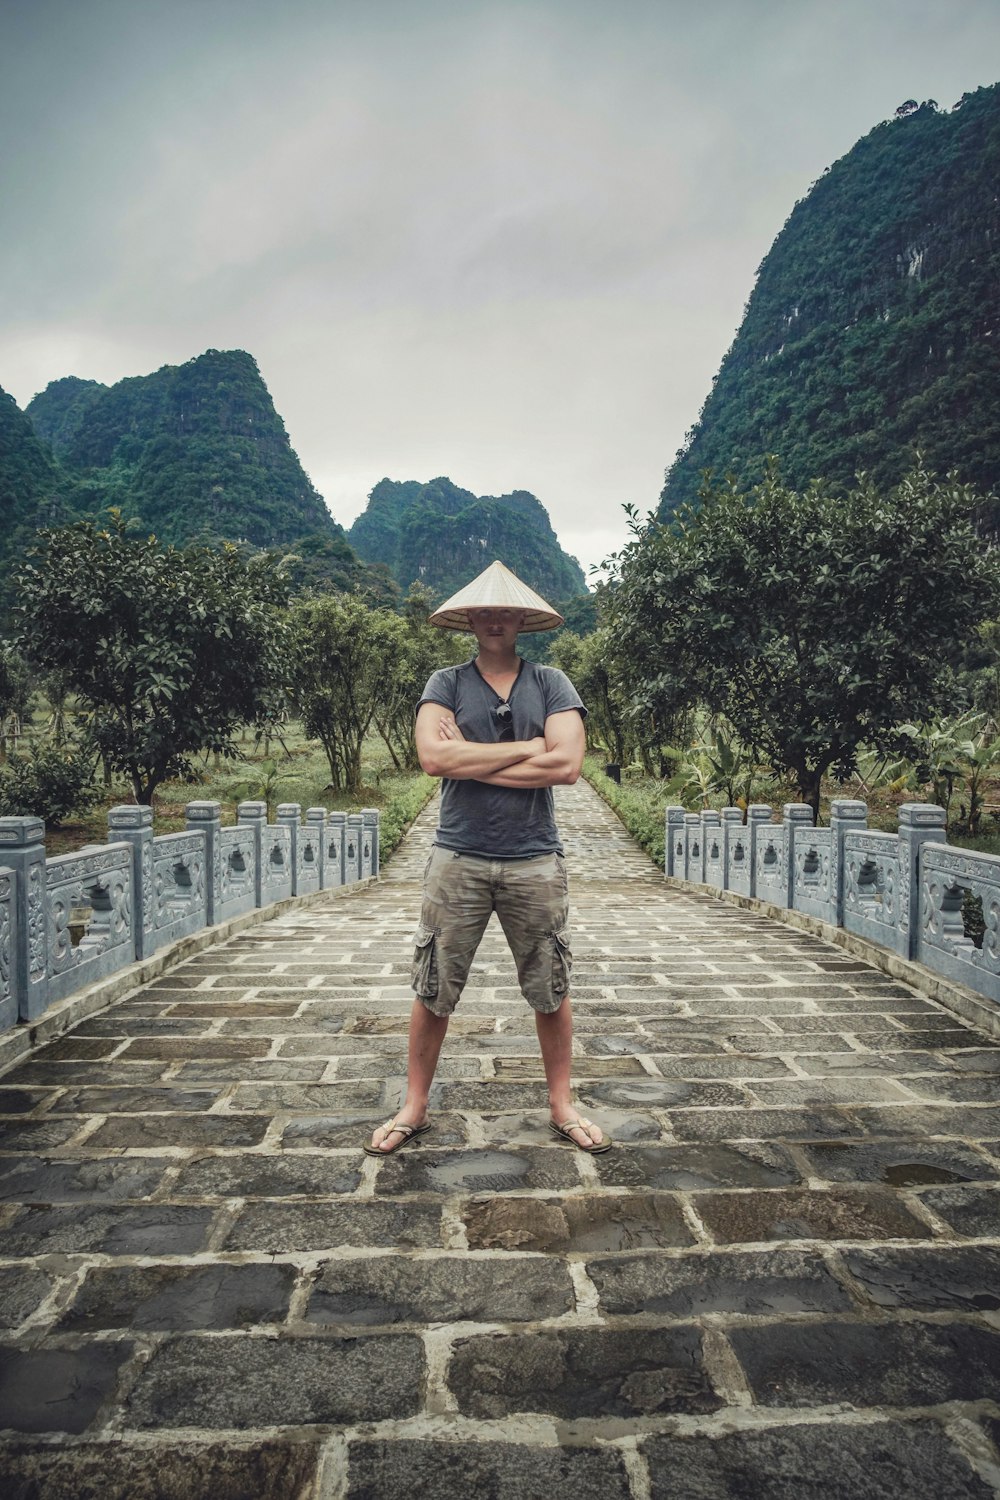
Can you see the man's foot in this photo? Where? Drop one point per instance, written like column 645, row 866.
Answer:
column 394, row 1135
column 584, row 1134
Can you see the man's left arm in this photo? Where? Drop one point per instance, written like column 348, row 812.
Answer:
column 559, row 765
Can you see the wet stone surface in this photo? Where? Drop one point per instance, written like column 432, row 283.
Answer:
column 503, row 1471
column 119, row 1471
column 386, row 1290
column 895, row 1365
column 298, row 1381
column 821, row 1461
column 769, row 1283
column 203, row 1275
column 597, row 1372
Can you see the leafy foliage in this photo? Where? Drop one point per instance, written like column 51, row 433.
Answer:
column 814, row 622
column 168, row 651
column 343, row 658
column 872, row 329
column 49, row 784
column 195, row 451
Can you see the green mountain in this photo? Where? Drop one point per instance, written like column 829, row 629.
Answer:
column 441, row 536
column 31, row 487
column 874, row 325
column 193, row 451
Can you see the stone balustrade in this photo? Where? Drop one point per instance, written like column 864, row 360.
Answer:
column 70, row 920
column 909, row 891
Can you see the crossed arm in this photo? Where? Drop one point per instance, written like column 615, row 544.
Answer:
column 550, row 760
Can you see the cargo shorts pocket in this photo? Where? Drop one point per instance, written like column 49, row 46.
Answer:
column 424, row 975
column 562, row 962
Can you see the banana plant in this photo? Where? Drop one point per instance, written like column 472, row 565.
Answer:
column 980, row 757
column 938, row 757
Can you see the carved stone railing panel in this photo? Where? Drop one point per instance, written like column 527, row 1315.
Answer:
column 959, row 931
column 713, row 867
column 238, row 872
column 8, row 943
column 88, row 916
column 770, row 869
column 180, row 901
column 872, row 887
column 276, row 864
column 336, row 849
column 812, row 878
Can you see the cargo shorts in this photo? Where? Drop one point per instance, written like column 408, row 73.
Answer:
column 461, row 892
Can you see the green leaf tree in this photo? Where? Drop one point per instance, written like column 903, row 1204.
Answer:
column 169, row 652
column 345, row 659
column 815, row 622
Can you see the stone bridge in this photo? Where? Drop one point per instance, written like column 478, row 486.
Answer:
column 783, row 1282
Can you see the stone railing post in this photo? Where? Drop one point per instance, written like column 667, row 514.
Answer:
column 758, row 815
column 316, row 824
column 22, row 849
column 253, row 815
column 796, row 816
column 336, row 848
column 370, row 816
column 845, row 815
column 206, row 818
column 133, row 824
column 355, row 842
column 711, row 828
column 290, row 816
column 919, row 823
column 673, row 841
column 732, row 819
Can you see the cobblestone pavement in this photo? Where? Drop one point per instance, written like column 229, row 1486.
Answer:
column 783, row 1282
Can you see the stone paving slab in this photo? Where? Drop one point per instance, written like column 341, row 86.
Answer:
column 783, row 1282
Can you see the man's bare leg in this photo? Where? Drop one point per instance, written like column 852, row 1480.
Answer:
column 555, row 1037
column 427, row 1033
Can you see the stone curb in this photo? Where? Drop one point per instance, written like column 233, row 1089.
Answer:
column 963, row 1002
column 22, row 1040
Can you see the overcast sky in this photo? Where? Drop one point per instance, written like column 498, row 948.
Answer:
column 504, row 240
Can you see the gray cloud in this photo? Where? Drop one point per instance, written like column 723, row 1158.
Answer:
column 505, row 241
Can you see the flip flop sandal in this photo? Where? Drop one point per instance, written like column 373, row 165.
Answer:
column 594, row 1149
column 406, row 1134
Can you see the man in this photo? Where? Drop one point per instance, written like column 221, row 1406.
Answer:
column 500, row 732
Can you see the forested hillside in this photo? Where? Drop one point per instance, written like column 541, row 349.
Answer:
column 441, row 536
column 31, row 487
column 874, row 325
column 193, row 450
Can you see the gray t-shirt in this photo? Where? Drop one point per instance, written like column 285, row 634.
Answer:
column 499, row 822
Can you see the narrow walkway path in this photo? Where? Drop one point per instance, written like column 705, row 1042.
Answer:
column 783, row 1282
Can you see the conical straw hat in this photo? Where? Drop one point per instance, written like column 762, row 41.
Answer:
column 496, row 588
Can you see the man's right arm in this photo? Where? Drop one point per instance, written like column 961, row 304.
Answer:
column 465, row 760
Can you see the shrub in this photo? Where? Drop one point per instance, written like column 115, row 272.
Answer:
column 400, row 810
column 47, row 784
